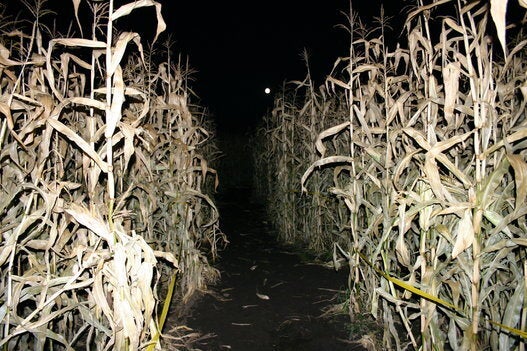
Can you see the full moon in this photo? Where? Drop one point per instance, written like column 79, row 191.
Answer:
column 267, row 91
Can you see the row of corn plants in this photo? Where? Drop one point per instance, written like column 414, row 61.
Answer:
column 427, row 155
column 105, row 206
column 283, row 145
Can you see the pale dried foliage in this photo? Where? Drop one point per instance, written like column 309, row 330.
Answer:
column 426, row 145
column 104, row 186
column 283, row 146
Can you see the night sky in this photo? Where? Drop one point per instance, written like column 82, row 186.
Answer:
column 241, row 47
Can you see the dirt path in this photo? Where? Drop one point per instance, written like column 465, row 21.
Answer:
column 267, row 298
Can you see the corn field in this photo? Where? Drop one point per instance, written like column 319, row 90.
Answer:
column 106, row 180
column 409, row 163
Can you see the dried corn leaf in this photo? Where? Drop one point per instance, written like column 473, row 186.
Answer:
column 464, row 234
column 321, row 163
column 92, row 221
column 120, row 48
column 79, row 141
column 436, row 152
column 169, row 256
column 263, row 296
column 73, row 42
column 90, row 318
column 5, row 61
column 123, row 309
column 88, row 102
column 401, row 250
column 498, row 10
column 100, row 294
column 128, row 8
column 520, row 178
column 451, row 75
column 146, row 295
column 327, row 133
column 76, row 4
column 114, row 115
column 128, row 131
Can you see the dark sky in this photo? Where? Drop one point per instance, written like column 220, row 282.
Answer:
column 241, row 47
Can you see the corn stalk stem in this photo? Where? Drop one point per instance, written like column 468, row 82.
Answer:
column 109, row 146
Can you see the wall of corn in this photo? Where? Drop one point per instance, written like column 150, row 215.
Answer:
column 423, row 146
column 105, row 184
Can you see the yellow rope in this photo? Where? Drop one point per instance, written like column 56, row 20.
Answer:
column 437, row 300
column 164, row 313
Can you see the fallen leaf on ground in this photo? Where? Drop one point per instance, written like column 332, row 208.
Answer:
column 263, row 297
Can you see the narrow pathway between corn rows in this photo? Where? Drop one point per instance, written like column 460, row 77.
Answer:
column 268, row 298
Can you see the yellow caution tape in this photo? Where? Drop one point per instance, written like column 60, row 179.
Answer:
column 437, row 300
column 410, row 287
column 164, row 313
column 520, row 333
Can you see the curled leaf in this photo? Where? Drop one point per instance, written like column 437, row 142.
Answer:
column 464, row 234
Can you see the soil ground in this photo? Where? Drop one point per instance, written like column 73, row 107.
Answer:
column 269, row 296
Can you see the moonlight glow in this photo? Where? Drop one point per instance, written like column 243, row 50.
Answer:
column 267, row 91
